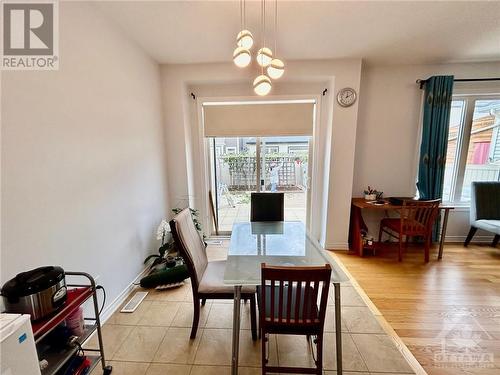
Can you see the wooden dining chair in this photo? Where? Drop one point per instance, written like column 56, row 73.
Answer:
column 416, row 219
column 207, row 278
column 292, row 301
column 267, row 207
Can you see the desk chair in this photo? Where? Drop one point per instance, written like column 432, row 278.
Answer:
column 416, row 219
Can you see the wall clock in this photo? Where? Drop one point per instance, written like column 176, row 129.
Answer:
column 346, row 97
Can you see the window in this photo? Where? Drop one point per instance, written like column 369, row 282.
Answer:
column 233, row 177
column 230, row 150
column 473, row 145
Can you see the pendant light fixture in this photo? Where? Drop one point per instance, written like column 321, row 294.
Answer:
column 264, row 55
column 262, row 84
column 276, row 67
column 241, row 57
column 244, row 41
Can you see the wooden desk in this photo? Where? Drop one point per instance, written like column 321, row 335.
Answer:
column 358, row 224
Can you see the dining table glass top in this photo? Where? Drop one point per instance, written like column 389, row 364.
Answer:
column 279, row 243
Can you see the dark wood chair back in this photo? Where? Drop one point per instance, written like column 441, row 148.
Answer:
column 417, row 217
column 267, row 207
column 294, row 297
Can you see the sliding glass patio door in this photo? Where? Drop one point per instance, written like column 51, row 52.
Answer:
column 242, row 165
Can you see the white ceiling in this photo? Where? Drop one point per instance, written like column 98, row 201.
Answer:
column 379, row 32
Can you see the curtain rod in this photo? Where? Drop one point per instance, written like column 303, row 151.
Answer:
column 422, row 82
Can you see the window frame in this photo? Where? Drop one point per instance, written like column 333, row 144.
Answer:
column 463, row 143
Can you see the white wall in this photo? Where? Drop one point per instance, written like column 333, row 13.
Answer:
column 83, row 164
column 387, row 137
column 338, row 134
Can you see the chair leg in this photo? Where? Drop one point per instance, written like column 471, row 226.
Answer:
column 427, row 246
column 253, row 317
column 400, row 255
column 203, row 301
column 319, row 354
column 471, row 234
column 495, row 240
column 196, row 318
column 264, row 359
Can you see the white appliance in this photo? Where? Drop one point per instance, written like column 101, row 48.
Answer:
column 17, row 345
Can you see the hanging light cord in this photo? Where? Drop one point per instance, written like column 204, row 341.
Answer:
column 264, row 43
column 244, row 15
column 241, row 15
column 275, row 27
column 262, row 27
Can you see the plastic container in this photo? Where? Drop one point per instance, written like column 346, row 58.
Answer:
column 76, row 323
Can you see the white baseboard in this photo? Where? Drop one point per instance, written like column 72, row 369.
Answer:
column 116, row 303
column 337, row 246
column 480, row 239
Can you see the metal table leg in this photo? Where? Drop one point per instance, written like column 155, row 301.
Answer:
column 443, row 233
column 338, row 328
column 236, row 329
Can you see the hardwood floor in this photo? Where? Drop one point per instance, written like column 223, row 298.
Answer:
column 447, row 312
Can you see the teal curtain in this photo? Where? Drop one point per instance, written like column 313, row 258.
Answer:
column 437, row 105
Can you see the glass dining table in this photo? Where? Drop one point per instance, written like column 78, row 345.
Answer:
column 284, row 243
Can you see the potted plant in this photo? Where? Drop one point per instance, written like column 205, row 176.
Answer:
column 372, row 194
column 194, row 214
column 167, row 241
column 167, row 244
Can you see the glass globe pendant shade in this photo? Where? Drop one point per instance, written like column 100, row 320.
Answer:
column 262, row 85
column 241, row 57
column 276, row 68
column 264, row 56
column 244, row 39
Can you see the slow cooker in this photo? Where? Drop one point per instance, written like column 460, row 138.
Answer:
column 38, row 292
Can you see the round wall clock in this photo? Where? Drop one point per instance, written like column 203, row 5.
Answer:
column 346, row 97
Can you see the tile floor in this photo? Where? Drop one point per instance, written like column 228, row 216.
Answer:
column 155, row 338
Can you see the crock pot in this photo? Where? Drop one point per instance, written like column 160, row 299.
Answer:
column 39, row 292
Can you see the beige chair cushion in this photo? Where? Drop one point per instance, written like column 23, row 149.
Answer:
column 191, row 241
column 213, row 280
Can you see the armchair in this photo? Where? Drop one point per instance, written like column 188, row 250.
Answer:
column 485, row 210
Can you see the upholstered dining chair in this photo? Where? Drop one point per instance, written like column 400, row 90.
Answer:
column 292, row 301
column 416, row 219
column 207, row 278
column 267, row 207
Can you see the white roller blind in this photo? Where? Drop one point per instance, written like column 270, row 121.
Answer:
column 238, row 120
